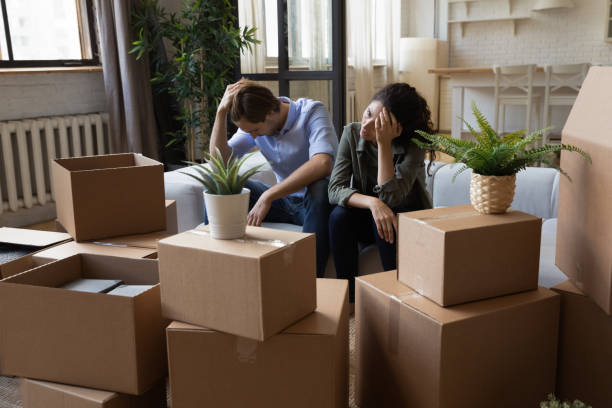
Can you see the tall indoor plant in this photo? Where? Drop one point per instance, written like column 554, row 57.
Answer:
column 205, row 45
column 225, row 198
column 494, row 159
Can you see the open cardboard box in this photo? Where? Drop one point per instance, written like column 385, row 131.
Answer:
column 253, row 287
column 455, row 255
column 304, row 366
column 411, row 352
column 585, row 349
column 584, row 226
column 146, row 239
column 43, row 394
column 17, row 245
column 109, row 195
column 95, row 340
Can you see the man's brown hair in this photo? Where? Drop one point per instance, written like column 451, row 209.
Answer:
column 253, row 102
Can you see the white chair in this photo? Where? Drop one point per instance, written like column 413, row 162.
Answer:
column 514, row 86
column 562, row 85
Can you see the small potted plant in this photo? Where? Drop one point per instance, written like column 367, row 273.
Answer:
column 553, row 402
column 225, row 198
column 495, row 160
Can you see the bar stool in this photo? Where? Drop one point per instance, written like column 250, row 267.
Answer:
column 562, row 84
column 514, row 86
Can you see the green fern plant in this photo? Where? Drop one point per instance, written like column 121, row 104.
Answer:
column 553, row 402
column 491, row 154
column 222, row 177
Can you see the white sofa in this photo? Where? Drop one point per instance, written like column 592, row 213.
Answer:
column 536, row 193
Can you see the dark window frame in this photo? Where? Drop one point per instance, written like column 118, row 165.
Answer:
column 94, row 61
column 337, row 74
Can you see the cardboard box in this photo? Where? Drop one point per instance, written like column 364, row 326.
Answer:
column 304, row 366
column 42, row 394
column 102, row 341
column 585, row 349
column 110, row 195
column 584, row 226
column 253, row 287
column 17, row 245
column 411, row 352
column 72, row 248
column 171, row 221
column 455, row 255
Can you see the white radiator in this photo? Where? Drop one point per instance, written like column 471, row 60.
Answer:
column 29, row 146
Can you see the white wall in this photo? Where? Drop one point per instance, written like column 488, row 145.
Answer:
column 48, row 94
column 550, row 37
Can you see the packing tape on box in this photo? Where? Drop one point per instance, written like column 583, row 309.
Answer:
column 393, row 318
column 246, row 350
column 111, row 244
column 466, row 214
column 270, row 242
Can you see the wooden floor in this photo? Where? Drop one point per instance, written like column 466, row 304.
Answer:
column 45, row 226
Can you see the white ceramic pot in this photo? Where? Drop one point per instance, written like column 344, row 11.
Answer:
column 227, row 214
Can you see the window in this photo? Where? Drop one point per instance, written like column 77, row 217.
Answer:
column 302, row 49
column 609, row 21
column 46, row 33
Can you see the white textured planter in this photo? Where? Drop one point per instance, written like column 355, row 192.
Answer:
column 227, row 214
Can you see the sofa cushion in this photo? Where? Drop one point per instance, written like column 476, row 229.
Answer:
column 550, row 274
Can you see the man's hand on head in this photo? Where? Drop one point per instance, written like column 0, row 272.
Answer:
column 228, row 97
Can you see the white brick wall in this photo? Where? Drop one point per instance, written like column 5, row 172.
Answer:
column 562, row 36
column 550, row 37
column 62, row 93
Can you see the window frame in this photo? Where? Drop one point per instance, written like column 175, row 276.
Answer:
column 93, row 43
column 284, row 75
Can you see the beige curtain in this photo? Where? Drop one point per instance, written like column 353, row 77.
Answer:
column 360, row 45
column 128, row 90
column 251, row 14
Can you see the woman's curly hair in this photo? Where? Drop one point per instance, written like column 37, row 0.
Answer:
column 411, row 111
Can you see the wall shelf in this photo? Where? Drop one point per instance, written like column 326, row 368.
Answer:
column 466, row 5
column 513, row 19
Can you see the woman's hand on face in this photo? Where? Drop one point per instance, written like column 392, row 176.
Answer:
column 387, row 127
column 385, row 220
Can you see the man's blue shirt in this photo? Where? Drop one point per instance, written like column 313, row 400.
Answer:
column 308, row 130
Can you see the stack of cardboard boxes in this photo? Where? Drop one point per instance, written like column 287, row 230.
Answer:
column 253, row 326
column 584, row 249
column 462, row 322
column 92, row 339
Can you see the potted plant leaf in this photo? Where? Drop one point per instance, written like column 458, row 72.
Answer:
column 553, row 402
column 494, row 159
column 225, row 198
column 204, row 42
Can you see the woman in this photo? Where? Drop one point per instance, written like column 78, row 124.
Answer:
column 378, row 173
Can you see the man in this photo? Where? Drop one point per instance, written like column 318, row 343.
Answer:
column 298, row 139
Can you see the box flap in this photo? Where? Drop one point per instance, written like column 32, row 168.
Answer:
column 387, row 283
column 589, row 119
column 323, row 321
column 87, row 394
column 71, row 248
column 138, row 241
column 568, row 287
column 257, row 241
column 21, row 236
column 107, row 161
column 465, row 217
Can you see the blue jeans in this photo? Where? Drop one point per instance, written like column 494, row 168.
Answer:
column 311, row 211
column 349, row 227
